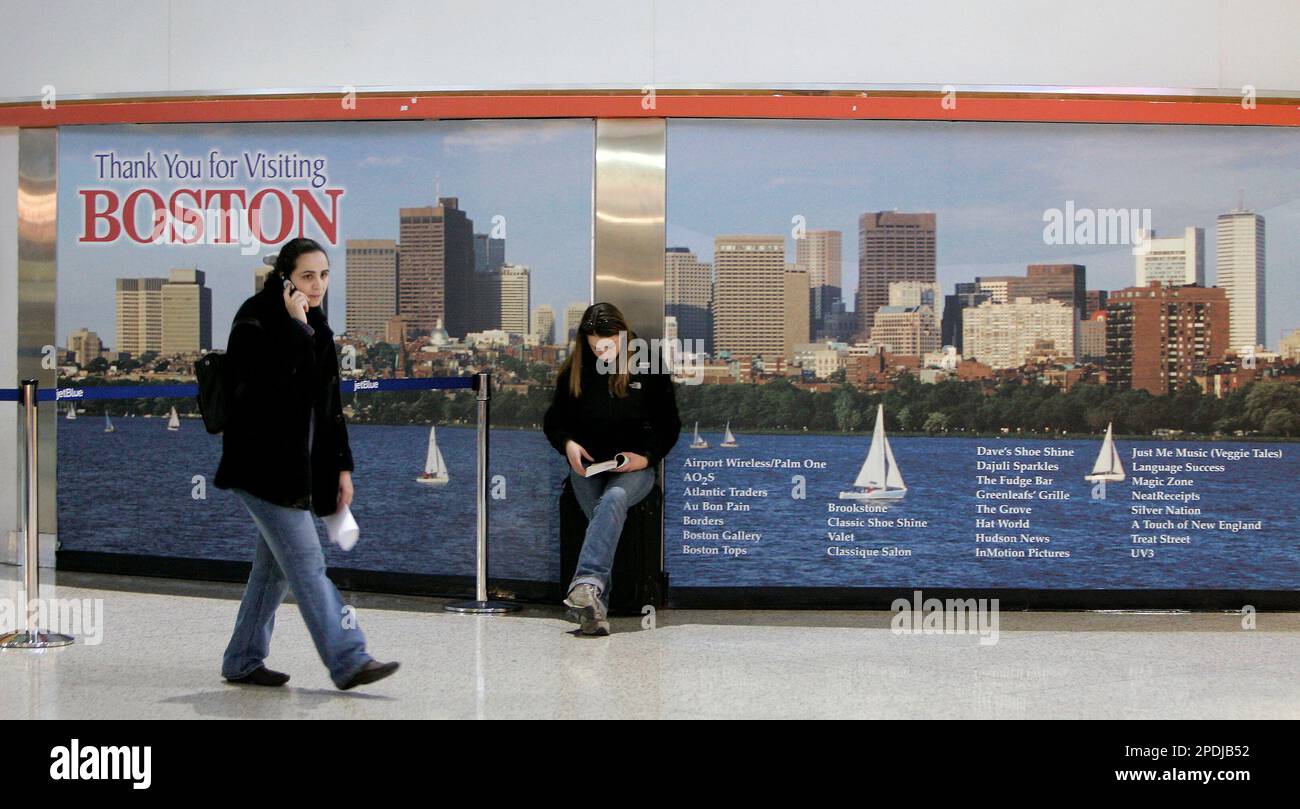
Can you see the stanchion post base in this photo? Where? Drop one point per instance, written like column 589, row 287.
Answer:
column 34, row 640
column 481, row 607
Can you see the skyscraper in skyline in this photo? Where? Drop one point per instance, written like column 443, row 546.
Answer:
column 186, row 312
column 1172, row 260
column 516, row 298
column 371, row 287
column 543, row 324
column 1065, row 283
column 966, row 295
column 1158, row 337
column 798, row 329
column 139, row 314
column 489, row 253
column 1239, row 251
column 572, row 319
column 820, row 254
column 688, row 295
column 892, row 246
column 85, row 345
column 1006, row 335
column 917, row 293
column 749, row 295
column 167, row 316
column 436, row 267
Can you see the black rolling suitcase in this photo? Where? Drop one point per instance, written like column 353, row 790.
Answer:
column 636, row 578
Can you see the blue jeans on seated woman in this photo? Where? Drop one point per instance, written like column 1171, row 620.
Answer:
column 605, row 499
column 289, row 557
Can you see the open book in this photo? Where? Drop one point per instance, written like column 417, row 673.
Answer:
column 620, row 460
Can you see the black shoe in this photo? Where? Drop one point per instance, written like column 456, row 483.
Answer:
column 261, row 676
column 370, row 672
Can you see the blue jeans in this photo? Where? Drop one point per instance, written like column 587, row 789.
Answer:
column 605, row 499
column 289, row 556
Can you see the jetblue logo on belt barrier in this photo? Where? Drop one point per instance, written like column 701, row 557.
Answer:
column 77, row 763
column 366, row 384
column 70, row 393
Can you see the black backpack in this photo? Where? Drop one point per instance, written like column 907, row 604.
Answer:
column 210, row 371
column 214, row 397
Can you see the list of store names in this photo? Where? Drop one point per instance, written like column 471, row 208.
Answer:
column 713, row 518
column 719, row 516
column 1013, row 484
column 1012, row 504
column 1167, row 509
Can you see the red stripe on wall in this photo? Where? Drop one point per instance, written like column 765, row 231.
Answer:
column 702, row 105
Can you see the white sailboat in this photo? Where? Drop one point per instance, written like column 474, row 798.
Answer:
column 435, row 468
column 879, row 478
column 697, row 442
column 1108, row 466
column 728, row 440
column 72, row 412
column 173, row 421
column 108, row 424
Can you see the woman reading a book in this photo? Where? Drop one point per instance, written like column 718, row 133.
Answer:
column 611, row 404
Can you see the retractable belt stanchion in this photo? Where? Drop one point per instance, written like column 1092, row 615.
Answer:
column 31, row 637
column 481, row 605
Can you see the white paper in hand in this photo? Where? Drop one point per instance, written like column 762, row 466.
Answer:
column 342, row 528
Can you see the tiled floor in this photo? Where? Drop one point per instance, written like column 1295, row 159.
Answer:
column 161, row 650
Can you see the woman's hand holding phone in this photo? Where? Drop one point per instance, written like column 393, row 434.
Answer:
column 295, row 303
column 576, row 453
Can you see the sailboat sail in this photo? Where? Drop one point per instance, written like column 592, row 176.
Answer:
column 108, row 424
column 173, row 420
column 1108, row 466
column 435, row 467
column 697, row 442
column 729, row 440
column 879, row 476
column 893, row 477
column 72, row 412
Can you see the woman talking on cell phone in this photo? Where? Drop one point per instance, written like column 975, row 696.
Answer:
column 606, row 407
column 285, row 454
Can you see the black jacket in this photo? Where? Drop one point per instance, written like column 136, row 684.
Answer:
column 644, row 422
column 279, row 373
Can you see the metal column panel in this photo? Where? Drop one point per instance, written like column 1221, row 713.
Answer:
column 37, row 233
column 629, row 228
column 630, row 197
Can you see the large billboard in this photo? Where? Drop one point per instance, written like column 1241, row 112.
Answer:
column 454, row 247
column 979, row 355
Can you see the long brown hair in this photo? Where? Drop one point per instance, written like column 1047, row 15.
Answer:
column 602, row 320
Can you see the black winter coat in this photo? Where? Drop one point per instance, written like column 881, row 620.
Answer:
column 645, row 421
column 278, row 374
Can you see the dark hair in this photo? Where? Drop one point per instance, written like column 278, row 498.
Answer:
column 288, row 258
column 602, row 320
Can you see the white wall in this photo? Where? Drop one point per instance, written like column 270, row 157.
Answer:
column 184, row 46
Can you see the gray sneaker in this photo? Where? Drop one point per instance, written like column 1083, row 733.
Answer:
column 585, row 609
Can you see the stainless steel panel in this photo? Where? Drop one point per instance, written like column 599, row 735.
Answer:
column 630, row 197
column 629, row 226
column 37, row 232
